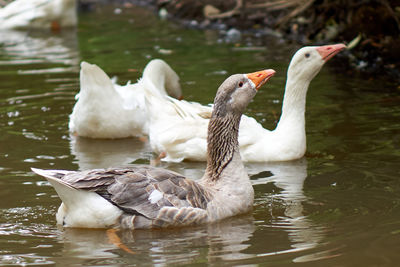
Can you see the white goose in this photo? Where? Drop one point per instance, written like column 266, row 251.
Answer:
column 43, row 14
column 107, row 110
column 149, row 197
column 178, row 128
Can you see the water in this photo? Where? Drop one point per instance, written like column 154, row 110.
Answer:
column 338, row 206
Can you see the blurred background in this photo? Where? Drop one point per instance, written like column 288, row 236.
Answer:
column 371, row 27
column 337, row 206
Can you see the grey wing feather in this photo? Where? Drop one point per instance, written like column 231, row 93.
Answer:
column 130, row 189
column 174, row 189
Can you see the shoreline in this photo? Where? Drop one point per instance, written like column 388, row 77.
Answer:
column 371, row 29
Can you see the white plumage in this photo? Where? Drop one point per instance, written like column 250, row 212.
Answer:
column 94, row 211
column 41, row 14
column 108, row 110
column 178, row 129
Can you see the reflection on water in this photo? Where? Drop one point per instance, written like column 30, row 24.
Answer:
column 98, row 153
column 23, row 238
column 159, row 246
column 289, row 178
column 223, row 241
column 25, row 48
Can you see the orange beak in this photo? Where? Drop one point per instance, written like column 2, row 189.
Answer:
column 260, row 77
column 329, row 51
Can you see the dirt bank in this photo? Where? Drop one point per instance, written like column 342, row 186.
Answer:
column 371, row 28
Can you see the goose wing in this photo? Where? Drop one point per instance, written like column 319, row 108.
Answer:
column 154, row 193
column 190, row 109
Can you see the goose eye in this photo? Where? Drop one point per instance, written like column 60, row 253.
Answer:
column 240, row 84
column 307, row 55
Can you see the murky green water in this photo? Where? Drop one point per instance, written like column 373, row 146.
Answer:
column 339, row 206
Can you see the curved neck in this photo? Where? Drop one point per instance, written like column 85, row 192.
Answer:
column 162, row 77
column 222, row 140
column 156, row 76
column 294, row 103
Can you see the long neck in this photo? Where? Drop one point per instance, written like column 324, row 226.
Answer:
column 294, row 103
column 163, row 78
column 157, row 77
column 222, row 142
column 157, row 73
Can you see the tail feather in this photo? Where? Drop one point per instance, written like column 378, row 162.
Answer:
column 53, row 176
column 93, row 77
column 63, row 189
column 80, row 208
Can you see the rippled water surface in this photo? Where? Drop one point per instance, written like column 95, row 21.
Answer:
column 338, row 206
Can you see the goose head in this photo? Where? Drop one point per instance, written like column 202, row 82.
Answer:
column 232, row 98
column 236, row 92
column 308, row 61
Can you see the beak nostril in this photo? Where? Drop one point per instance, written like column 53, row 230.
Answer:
column 328, row 51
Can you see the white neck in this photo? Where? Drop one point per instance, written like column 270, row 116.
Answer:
column 157, row 77
column 294, row 104
column 162, row 77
